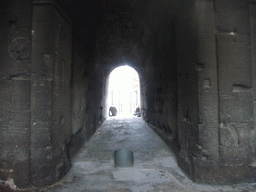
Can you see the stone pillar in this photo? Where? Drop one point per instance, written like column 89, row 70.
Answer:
column 15, row 73
column 225, row 149
column 187, row 86
column 208, row 130
column 235, row 91
column 253, row 52
column 50, row 93
column 226, row 99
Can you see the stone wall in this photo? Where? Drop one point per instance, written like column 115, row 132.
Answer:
column 196, row 62
column 86, row 87
column 50, row 93
column 160, row 107
column 15, row 87
column 220, row 149
column 230, row 144
column 156, row 45
column 79, row 87
column 42, row 124
column 214, row 96
column 187, row 84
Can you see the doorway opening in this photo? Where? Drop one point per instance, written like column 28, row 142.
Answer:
column 123, row 97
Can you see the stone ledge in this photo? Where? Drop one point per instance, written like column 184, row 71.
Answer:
column 210, row 172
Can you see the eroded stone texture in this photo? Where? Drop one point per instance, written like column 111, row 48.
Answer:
column 50, row 94
column 15, row 91
column 196, row 64
column 235, row 82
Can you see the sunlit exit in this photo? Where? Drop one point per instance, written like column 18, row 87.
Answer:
column 124, row 90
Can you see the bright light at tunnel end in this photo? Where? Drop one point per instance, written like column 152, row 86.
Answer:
column 124, row 90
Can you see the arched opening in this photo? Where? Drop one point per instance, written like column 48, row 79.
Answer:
column 123, row 92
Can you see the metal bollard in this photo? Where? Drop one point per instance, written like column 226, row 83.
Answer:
column 123, row 158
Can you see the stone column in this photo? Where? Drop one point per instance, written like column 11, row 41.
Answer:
column 15, row 73
column 208, row 131
column 50, row 93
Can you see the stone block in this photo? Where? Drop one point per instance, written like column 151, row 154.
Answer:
column 205, row 16
column 208, row 139
column 40, row 135
column 41, row 114
column 234, row 141
column 234, row 52
column 230, row 77
column 230, row 6
column 5, row 100
column 20, row 116
column 207, row 83
column 48, row 166
column 43, row 12
column 207, row 50
column 41, row 94
column 208, row 107
column 6, row 85
column 21, row 173
column 252, row 140
column 234, row 155
column 235, row 107
column 210, row 172
column 20, row 99
column 5, row 115
column 236, row 21
column 183, row 135
column 16, row 141
column 184, row 163
column 43, row 40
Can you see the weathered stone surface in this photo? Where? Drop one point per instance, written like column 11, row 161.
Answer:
column 15, row 91
column 212, row 173
column 51, row 62
column 196, row 63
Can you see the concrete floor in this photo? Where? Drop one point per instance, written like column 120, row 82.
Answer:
column 155, row 166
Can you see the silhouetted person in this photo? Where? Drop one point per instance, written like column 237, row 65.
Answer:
column 137, row 112
column 112, row 111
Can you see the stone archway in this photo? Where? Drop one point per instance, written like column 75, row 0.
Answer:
column 122, row 91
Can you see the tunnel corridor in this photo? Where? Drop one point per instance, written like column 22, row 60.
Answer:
column 196, row 62
column 155, row 165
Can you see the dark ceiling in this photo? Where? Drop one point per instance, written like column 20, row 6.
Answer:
column 93, row 10
column 114, row 26
column 110, row 22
